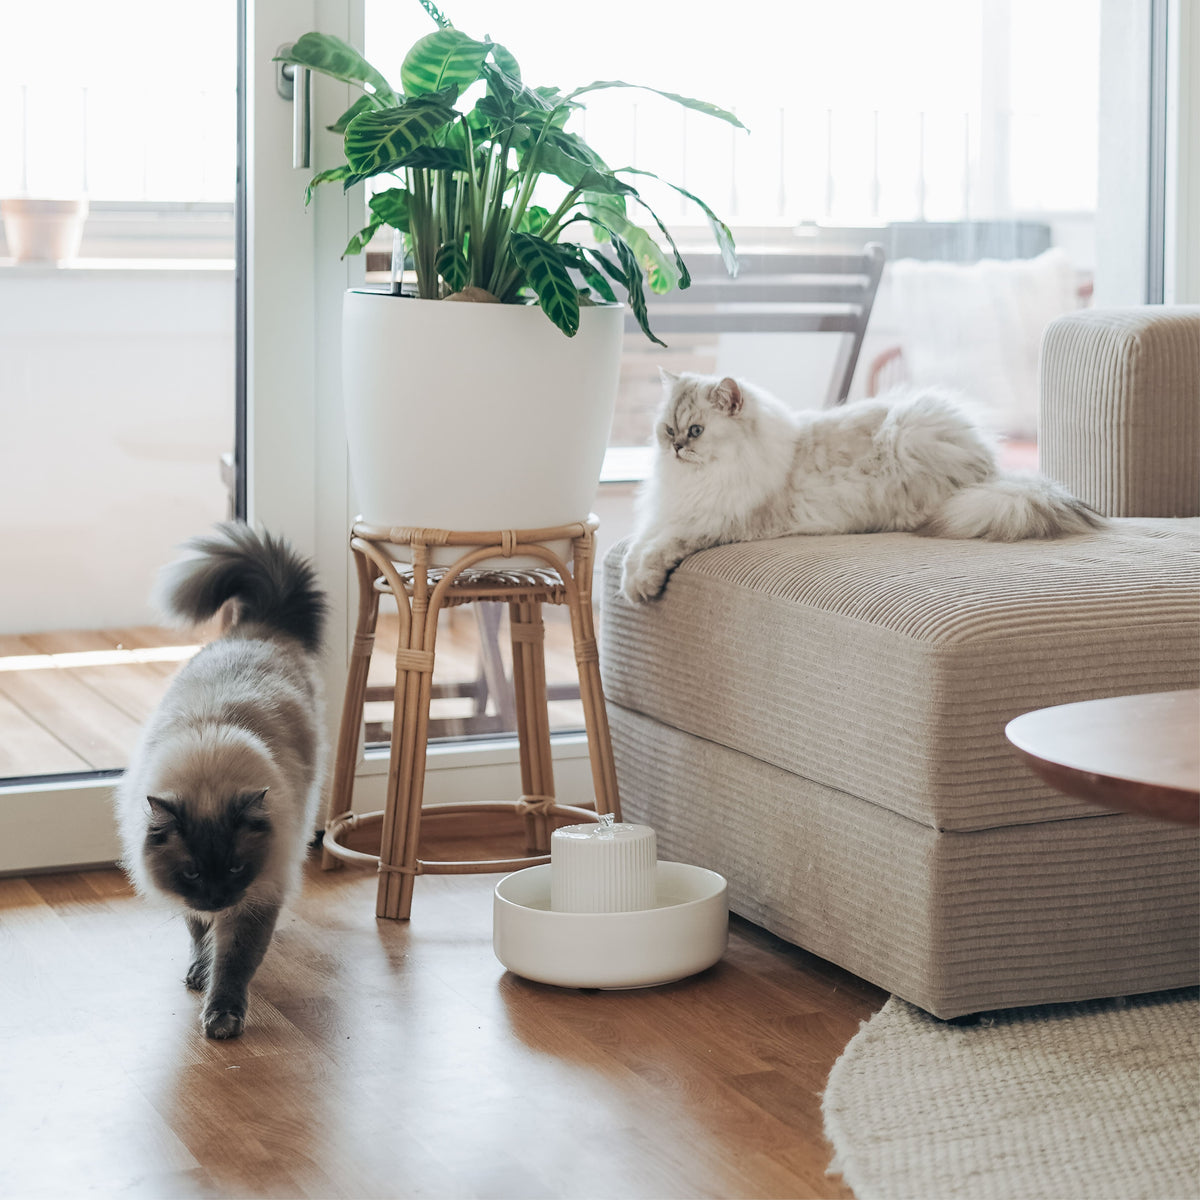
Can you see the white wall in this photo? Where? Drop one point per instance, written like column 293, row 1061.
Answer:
column 116, row 402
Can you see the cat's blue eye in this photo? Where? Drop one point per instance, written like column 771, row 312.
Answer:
column 238, row 869
column 190, row 875
column 694, row 431
column 670, row 431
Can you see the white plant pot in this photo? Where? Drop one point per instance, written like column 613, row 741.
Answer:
column 42, row 230
column 471, row 416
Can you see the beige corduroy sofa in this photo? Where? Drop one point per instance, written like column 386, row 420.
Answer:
column 821, row 719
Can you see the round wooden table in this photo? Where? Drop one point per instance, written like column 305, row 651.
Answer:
column 1139, row 754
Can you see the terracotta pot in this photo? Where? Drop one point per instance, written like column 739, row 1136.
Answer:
column 39, row 230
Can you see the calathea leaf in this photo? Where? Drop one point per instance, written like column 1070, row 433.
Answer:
column 446, row 58
column 701, row 106
column 435, row 158
column 533, row 219
column 365, row 103
column 685, row 276
column 609, row 210
column 604, row 183
column 545, row 273
column 358, row 242
column 441, row 20
column 721, row 231
column 377, row 141
column 325, row 177
column 562, row 155
column 391, row 208
column 574, row 256
column 451, row 265
column 504, row 59
column 512, row 93
column 630, row 274
column 331, row 56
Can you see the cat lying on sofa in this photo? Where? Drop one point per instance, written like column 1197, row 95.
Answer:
column 735, row 464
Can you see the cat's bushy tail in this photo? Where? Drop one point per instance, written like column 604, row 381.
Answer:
column 272, row 584
column 1011, row 508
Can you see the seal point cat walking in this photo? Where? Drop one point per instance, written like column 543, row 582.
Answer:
column 219, row 802
column 735, row 464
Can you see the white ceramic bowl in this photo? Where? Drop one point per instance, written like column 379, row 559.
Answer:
column 684, row 933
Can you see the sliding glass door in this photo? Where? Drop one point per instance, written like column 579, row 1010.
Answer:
column 141, row 399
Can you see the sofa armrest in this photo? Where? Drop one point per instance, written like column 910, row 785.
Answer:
column 1120, row 409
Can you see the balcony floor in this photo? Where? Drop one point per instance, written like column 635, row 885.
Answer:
column 75, row 700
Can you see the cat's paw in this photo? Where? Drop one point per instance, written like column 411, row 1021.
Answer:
column 196, row 978
column 223, row 1023
column 640, row 582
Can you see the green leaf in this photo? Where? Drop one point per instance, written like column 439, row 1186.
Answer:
column 391, row 208
column 630, row 274
column 359, row 241
column 661, row 271
column 685, row 276
column 378, row 141
column 721, row 231
column 605, row 183
column 563, row 155
column 509, row 91
column 441, row 60
column 365, row 103
column 325, row 177
column 533, row 219
column 348, row 181
column 443, row 21
column 502, row 57
column 547, row 276
column 702, row 106
column 574, row 256
column 435, row 158
column 451, row 265
column 331, row 56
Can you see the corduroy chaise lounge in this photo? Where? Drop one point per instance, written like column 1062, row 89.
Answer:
column 822, row 719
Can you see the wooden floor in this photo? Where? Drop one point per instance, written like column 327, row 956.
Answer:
column 400, row 1060
column 75, row 700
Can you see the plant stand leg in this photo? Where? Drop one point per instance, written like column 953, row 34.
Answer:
column 533, row 721
column 398, row 866
column 591, row 690
column 350, row 731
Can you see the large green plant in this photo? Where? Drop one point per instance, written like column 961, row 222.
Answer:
column 467, row 160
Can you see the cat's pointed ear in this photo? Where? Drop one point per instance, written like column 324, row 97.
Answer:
column 668, row 377
column 164, row 812
column 727, row 396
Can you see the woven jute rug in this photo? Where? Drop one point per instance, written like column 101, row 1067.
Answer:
column 1095, row 1101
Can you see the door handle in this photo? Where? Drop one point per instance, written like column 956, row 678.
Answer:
column 294, row 82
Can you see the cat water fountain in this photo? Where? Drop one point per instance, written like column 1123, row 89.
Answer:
column 605, row 913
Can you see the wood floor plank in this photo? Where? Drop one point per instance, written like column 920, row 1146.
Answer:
column 96, row 730
column 27, row 747
column 398, row 1059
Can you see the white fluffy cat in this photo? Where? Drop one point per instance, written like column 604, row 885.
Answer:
column 734, row 464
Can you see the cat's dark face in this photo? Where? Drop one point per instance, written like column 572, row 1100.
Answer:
column 207, row 861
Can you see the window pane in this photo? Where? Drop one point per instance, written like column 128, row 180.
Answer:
column 116, row 378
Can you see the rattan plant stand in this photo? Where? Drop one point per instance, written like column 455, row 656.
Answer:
column 421, row 591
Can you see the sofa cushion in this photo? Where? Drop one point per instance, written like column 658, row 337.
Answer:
column 1120, row 415
column 887, row 665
